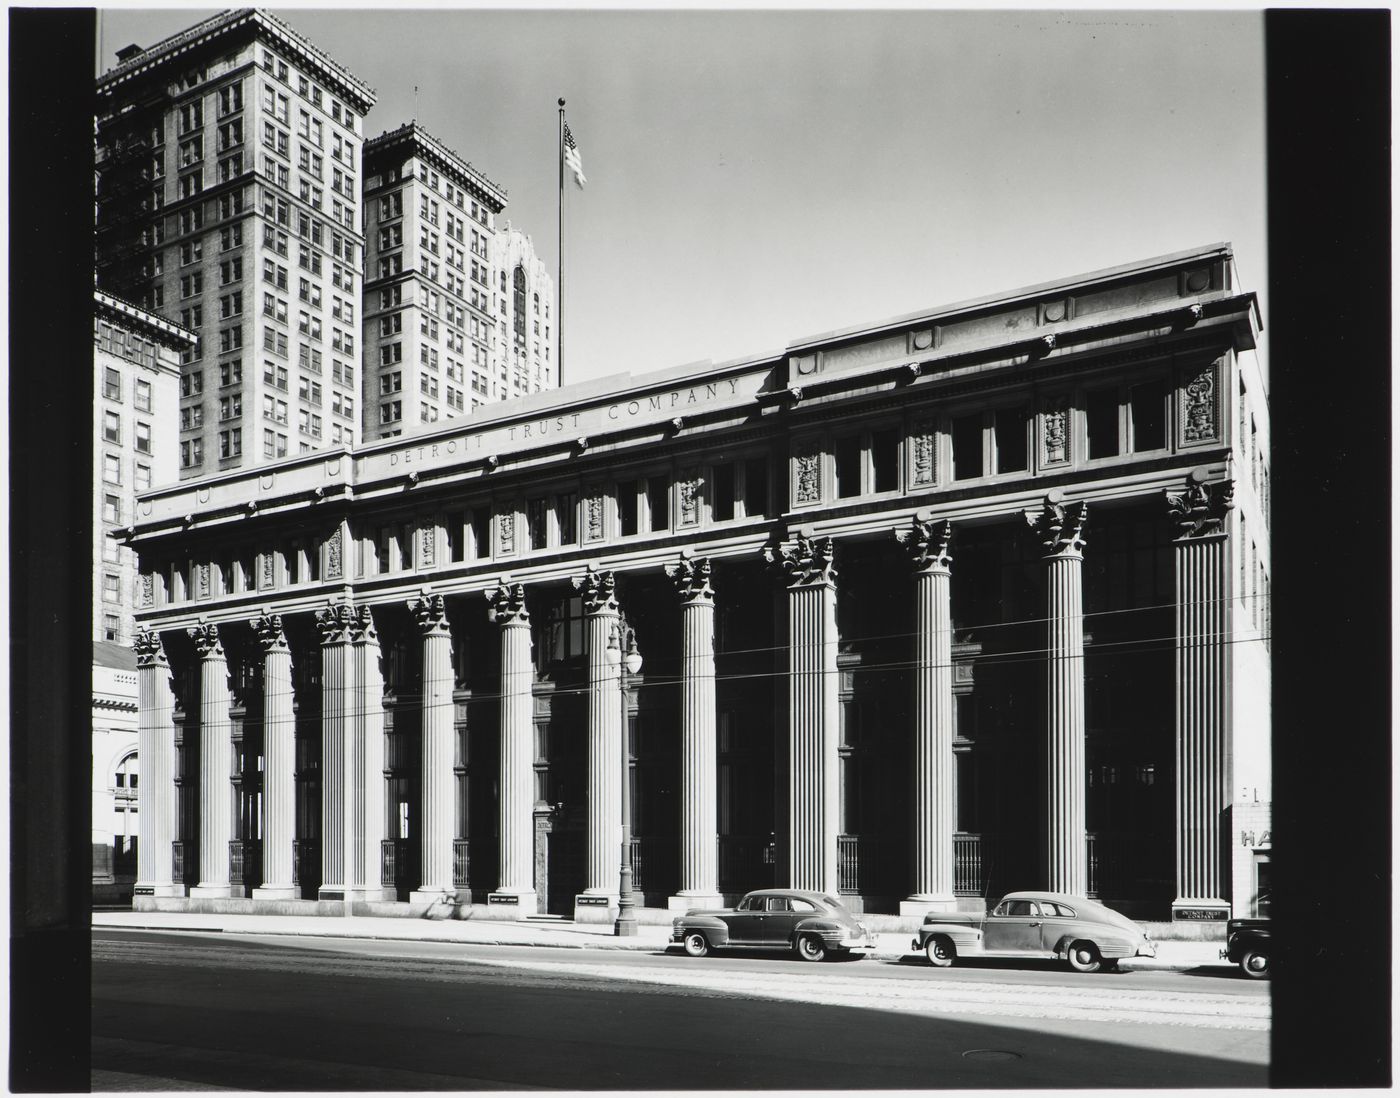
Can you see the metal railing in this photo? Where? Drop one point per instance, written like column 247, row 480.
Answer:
column 461, row 863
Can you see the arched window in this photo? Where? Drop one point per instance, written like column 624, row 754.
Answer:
column 520, row 301
column 126, row 776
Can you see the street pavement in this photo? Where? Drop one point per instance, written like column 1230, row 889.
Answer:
column 1171, row 955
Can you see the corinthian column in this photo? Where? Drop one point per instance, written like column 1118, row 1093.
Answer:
column 279, row 749
column 813, row 776
column 927, row 544
column 598, row 589
column 215, row 740
column 1060, row 529
column 1203, row 765
column 339, row 699
column 439, row 736
column 699, row 825
column 155, row 746
column 369, row 754
column 515, row 891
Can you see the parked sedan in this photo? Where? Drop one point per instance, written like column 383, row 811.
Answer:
column 1248, row 945
column 1088, row 935
column 812, row 924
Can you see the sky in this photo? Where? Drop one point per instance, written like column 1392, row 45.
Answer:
column 758, row 177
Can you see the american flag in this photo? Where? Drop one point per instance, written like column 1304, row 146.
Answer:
column 571, row 157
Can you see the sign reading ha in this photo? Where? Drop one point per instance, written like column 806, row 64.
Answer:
column 590, row 421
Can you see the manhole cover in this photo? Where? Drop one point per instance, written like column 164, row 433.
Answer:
column 990, row 1054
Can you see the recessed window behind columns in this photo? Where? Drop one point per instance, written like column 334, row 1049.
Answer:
column 456, row 537
column 967, row 447
column 658, row 503
column 481, row 532
column 566, row 510
column 1011, row 426
column 1148, row 408
column 884, row 459
column 756, row 486
column 722, row 492
column 1101, row 421
column 627, row 507
column 848, row 466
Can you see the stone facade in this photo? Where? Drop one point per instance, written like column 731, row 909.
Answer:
column 1062, row 689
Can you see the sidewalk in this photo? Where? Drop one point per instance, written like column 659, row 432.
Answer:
column 559, row 934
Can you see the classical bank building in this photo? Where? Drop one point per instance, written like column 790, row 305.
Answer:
column 970, row 600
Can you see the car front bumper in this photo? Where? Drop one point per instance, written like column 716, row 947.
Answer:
column 1146, row 949
column 855, row 945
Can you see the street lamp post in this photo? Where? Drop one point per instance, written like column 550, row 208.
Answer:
column 629, row 663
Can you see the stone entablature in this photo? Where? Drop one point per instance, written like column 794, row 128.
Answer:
column 684, row 431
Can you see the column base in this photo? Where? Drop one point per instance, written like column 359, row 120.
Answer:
column 157, row 888
column 513, row 905
column 1208, row 910
column 686, row 901
column 916, row 906
column 211, row 891
column 275, row 892
column 595, row 907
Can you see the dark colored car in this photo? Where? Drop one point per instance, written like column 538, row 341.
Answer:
column 1089, row 936
column 812, row 924
column 1247, row 945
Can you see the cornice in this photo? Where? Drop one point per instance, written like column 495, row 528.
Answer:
column 420, row 142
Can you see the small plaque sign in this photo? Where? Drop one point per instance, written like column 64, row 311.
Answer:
column 592, row 901
column 1201, row 914
column 144, row 890
column 498, row 898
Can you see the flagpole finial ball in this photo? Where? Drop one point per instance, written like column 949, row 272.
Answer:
column 561, row 102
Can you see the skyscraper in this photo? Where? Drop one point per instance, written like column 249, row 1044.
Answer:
column 429, row 219
column 229, row 200
column 523, row 350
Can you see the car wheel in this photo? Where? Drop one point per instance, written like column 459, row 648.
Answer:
column 811, row 948
column 696, row 944
column 940, row 951
column 1255, row 964
column 1084, row 957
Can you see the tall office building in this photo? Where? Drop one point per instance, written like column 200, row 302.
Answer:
column 229, row 200
column 429, row 222
column 522, row 350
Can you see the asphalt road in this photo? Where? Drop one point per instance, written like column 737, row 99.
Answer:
column 195, row 1011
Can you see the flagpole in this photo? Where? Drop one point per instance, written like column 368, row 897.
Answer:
column 559, row 319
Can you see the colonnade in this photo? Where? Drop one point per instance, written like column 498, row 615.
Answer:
column 353, row 741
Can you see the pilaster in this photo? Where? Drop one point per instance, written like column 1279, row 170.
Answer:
column 279, row 751
column 515, row 891
column 808, row 565
column 439, row 735
column 1204, row 776
column 927, row 544
column 215, row 738
column 599, row 591
column 1060, row 529
column 699, row 763
column 155, row 744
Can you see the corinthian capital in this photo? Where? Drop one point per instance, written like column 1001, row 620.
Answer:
column 927, row 544
column 430, row 612
column 268, row 629
column 805, row 561
column 598, row 588
column 507, row 604
column 691, row 575
column 362, row 628
column 206, row 641
column 1200, row 510
column 1059, row 526
column 150, row 652
column 335, row 623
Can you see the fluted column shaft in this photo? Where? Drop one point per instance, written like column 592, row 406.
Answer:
column 215, row 739
column 439, row 737
column 1066, row 854
column 369, row 717
column 338, row 703
column 934, row 765
column 516, row 883
column 279, row 750
column 813, row 715
column 699, row 808
column 1203, row 774
column 155, row 745
column 604, row 730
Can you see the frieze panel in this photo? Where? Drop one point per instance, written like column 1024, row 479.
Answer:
column 593, row 516
column 807, row 471
column 148, row 589
column 1200, row 407
column 925, row 458
column 334, row 554
column 267, row 575
column 505, row 532
column 427, row 543
column 1055, row 422
column 202, row 580
column 691, row 484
